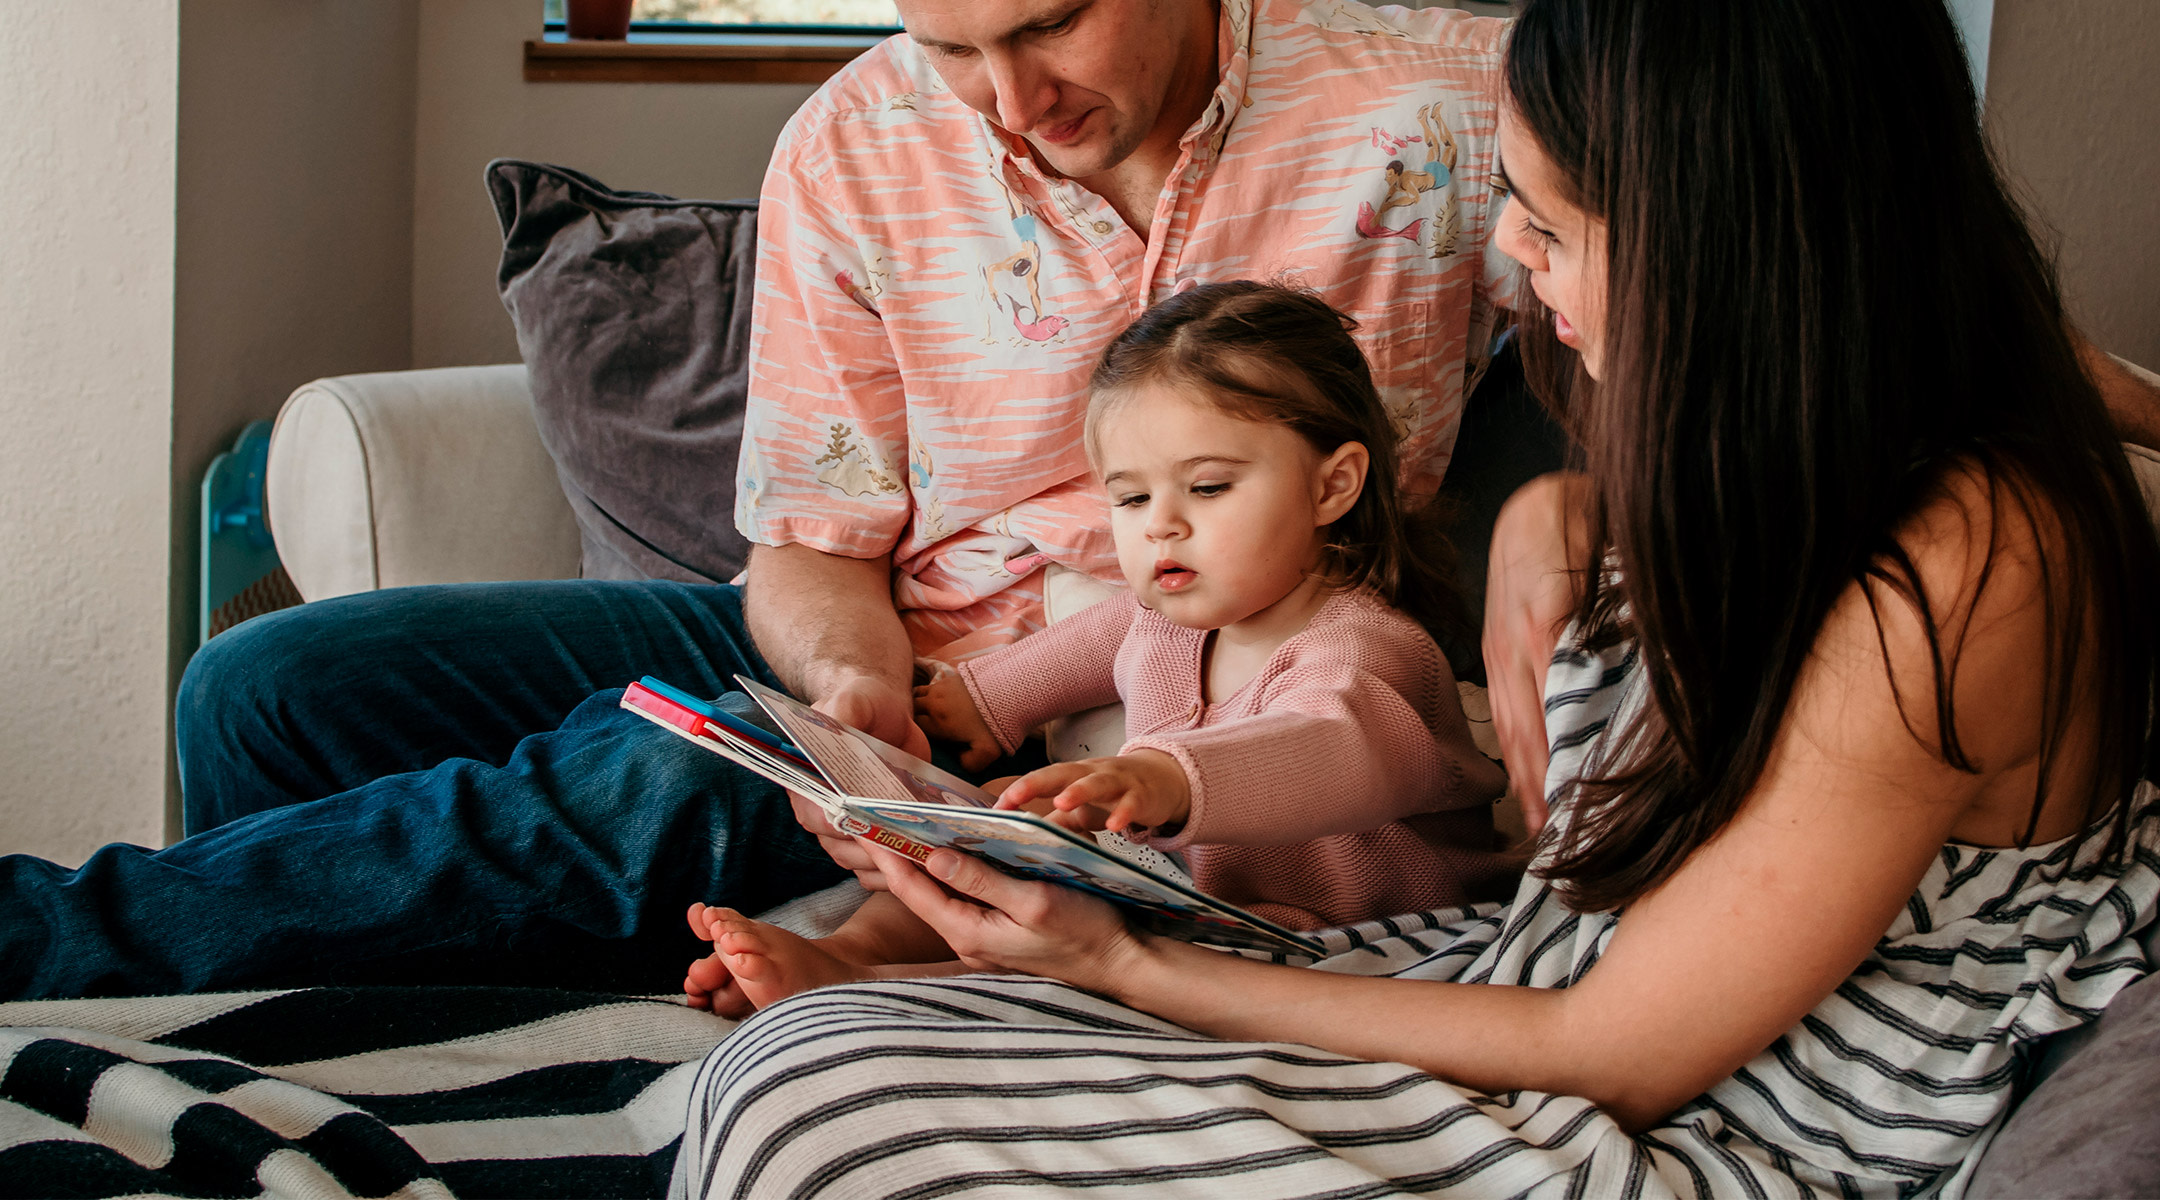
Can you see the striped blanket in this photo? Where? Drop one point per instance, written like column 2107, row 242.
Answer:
column 375, row 1092
column 335, row 1092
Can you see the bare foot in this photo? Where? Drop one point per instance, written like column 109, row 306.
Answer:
column 768, row 964
column 709, row 984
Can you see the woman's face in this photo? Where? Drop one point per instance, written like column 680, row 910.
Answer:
column 1562, row 246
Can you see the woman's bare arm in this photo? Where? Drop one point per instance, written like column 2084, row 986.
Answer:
column 1704, row 972
column 2132, row 394
column 1531, row 585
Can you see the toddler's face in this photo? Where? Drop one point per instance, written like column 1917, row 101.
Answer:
column 1215, row 518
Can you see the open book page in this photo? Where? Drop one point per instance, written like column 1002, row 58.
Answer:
column 874, row 791
column 1027, row 845
column 858, row 764
column 862, row 765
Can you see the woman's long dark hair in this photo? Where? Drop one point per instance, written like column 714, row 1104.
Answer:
column 1821, row 302
column 1266, row 352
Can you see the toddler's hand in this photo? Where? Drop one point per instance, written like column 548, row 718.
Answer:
column 945, row 710
column 1139, row 792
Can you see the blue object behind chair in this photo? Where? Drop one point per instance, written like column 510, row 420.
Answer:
column 241, row 574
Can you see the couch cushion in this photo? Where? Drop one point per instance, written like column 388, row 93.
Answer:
column 2087, row 1129
column 633, row 315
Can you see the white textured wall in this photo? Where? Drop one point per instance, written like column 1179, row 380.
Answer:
column 86, row 311
column 2073, row 104
column 703, row 140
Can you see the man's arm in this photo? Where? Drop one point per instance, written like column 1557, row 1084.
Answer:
column 827, row 626
column 2132, row 394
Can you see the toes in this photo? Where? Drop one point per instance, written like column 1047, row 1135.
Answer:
column 747, row 962
column 744, row 940
column 700, row 921
column 707, row 974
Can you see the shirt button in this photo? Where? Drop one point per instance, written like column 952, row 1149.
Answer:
column 1101, row 227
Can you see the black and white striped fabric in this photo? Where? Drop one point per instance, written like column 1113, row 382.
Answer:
column 337, row 1092
column 1015, row 1087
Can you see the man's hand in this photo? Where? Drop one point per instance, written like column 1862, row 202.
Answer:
column 945, row 710
column 1142, row 792
column 878, row 708
column 1530, row 588
column 884, row 713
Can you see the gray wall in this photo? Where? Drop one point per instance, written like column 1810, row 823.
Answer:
column 294, row 205
column 2073, row 106
column 708, row 141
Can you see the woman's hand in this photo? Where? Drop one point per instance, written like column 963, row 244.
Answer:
column 947, row 712
column 1533, row 583
column 1145, row 791
column 994, row 921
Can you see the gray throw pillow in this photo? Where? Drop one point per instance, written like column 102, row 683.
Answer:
column 2087, row 1128
column 633, row 315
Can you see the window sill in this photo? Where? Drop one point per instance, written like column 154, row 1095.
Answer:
column 694, row 58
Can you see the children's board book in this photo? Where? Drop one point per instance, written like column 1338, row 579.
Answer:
column 871, row 790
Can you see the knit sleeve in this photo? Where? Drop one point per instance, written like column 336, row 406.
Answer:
column 1338, row 747
column 1062, row 669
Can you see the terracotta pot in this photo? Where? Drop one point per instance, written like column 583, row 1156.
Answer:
column 598, row 20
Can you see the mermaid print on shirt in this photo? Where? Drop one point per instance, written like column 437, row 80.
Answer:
column 1408, row 187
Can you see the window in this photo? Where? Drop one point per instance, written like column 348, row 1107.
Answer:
column 751, row 16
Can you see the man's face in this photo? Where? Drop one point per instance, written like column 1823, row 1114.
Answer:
column 1084, row 81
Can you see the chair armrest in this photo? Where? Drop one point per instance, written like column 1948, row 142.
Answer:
column 412, row 477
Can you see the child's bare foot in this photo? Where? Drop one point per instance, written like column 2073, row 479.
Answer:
column 709, row 984
column 768, row 964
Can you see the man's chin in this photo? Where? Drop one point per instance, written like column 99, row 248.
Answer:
column 1074, row 162
column 1083, row 159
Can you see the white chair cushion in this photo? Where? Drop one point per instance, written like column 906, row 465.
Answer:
column 411, row 477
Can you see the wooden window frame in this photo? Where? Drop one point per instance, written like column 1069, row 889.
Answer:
column 695, row 57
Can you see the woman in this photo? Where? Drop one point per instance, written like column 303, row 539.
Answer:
column 1846, row 729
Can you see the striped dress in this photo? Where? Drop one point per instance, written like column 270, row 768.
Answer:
column 1014, row 1086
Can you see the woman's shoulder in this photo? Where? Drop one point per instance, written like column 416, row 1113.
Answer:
column 1969, row 609
column 1976, row 524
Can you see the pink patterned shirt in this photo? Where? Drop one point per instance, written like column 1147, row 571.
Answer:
column 931, row 300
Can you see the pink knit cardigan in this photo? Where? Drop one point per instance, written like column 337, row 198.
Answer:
column 1339, row 785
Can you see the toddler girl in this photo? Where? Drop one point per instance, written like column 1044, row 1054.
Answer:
column 1292, row 731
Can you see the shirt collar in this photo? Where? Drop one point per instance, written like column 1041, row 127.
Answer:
column 1233, row 49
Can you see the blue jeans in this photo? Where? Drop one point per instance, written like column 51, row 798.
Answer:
column 429, row 785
